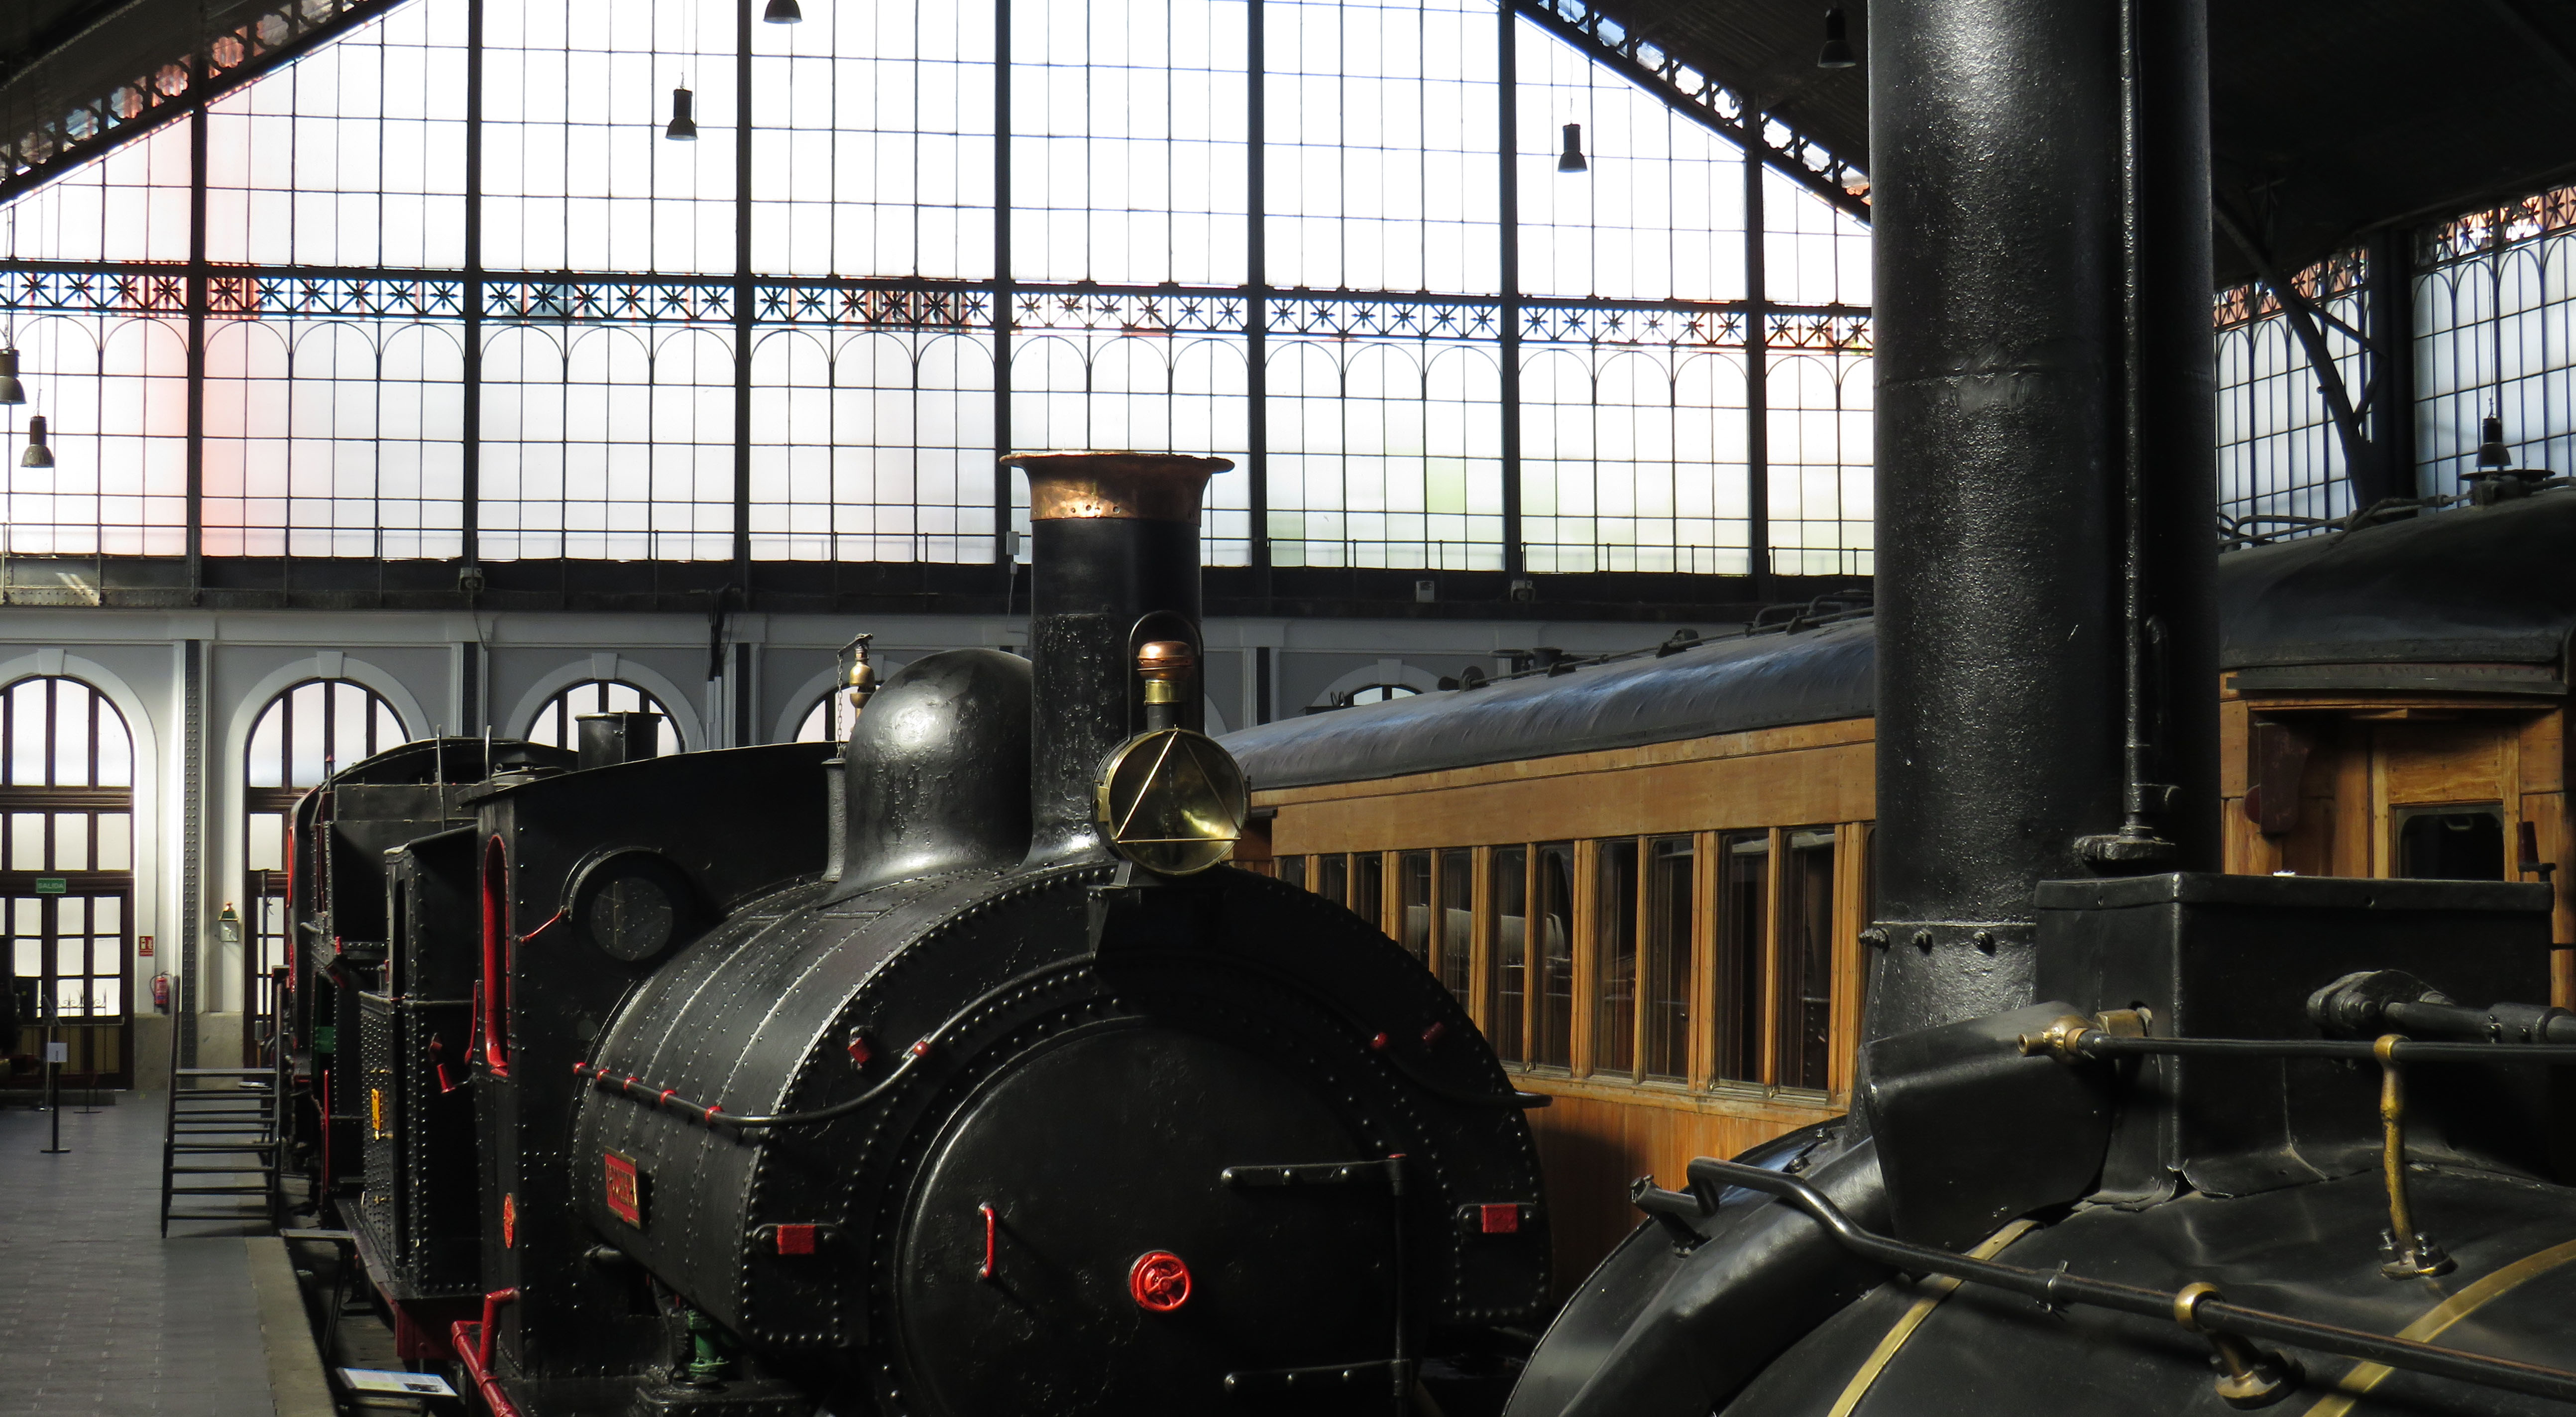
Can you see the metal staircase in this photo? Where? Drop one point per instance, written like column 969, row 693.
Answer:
column 224, row 1140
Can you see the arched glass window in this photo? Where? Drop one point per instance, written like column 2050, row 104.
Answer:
column 828, row 721
column 1379, row 693
column 555, row 724
column 67, row 871
column 308, row 732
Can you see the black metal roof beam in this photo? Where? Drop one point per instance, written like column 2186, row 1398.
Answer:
column 2362, row 463
column 1696, row 94
column 45, row 133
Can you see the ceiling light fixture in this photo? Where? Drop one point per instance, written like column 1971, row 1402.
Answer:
column 11, row 391
column 684, row 128
column 37, row 454
column 1571, row 160
column 2491, row 449
column 782, row 12
column 1837, row 53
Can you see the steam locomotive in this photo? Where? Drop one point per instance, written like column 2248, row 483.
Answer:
column 2128, row 1136
column 932, row 1072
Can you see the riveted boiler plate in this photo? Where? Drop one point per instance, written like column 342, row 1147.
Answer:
column 1126, row 1276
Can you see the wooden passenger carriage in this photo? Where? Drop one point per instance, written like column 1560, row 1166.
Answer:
column 1647, row 878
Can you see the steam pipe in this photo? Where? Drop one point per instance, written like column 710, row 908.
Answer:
column 2045, row 485
column 2196, row 1307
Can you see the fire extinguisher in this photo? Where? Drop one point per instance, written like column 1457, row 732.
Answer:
column 161, row 993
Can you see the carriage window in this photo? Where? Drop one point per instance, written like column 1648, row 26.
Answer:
column 1666, row 978
column 1741, row 901
column 1614, row 954
column 1553, row 1037
column 1333, row 878
column 1457, row 922
column 1414, row 880
column 1805, row 1034
column 1368, row 887
column 1292, row 869
column 1510, row 895
column 2451, row 843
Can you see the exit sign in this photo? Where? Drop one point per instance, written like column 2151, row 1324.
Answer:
column 51, row 885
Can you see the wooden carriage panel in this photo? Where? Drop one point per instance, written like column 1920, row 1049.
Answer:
column 1799, row 787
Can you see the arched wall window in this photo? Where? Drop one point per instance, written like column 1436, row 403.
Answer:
column 67, row 872
column 828, row 721
column 308, row 732
column 556, row 721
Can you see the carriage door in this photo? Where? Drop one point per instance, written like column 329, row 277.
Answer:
column 67, row 880
column 2450, row 797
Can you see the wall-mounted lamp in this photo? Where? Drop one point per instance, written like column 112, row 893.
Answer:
column 1837, row 53
column 1571, row 160
column 684, row 128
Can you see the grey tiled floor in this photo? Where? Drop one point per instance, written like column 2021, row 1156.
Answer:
column 98, row 1314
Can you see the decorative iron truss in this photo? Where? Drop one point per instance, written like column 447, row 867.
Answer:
column 2476, row 234
column 1700, row 96
column 197, row 53
column 519, row 298
column 2336, row 275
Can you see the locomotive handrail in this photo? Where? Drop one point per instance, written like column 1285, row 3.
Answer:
column 2196, row 1307
column 2094, row 1043
column 714, row 1115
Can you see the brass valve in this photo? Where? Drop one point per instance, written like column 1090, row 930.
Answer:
column 862, row 680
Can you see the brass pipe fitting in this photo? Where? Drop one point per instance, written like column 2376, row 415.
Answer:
column 2248, row 1376
column 2410, row 1254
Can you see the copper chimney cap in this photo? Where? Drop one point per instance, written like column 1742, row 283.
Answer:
column 1153, row 487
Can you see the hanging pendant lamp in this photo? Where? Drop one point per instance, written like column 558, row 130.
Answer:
column 37, row 454
column 2491, row 449
column 684, row 128
column 1571, row 160
column 1837, row 53
column 782, row 12
column 11, row 391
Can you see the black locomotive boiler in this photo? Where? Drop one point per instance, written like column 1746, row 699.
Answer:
column 2129, row 1136
column 941, row 1074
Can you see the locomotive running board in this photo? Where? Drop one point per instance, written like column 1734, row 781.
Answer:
column 1395, row 1373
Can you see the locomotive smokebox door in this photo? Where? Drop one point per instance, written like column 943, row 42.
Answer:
column 1076, row 1242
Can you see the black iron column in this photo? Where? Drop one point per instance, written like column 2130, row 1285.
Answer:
column 742, row 301
column 2028, row 371
column 1004, row 554
column 192, row 842
column 198, row 299
column 1256, row 302
column 2390, row 320
column 1515, row 552
column 1757, row 375
column 470, row 453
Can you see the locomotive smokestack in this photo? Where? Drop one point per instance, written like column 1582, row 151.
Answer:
column 1113, row 567
column 2045, row 452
